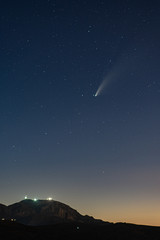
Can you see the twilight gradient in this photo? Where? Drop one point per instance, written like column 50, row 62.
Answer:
column 98, row 154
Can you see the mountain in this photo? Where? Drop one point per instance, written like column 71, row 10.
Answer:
column 42, row 212
column 3, row 210
column 46, row 220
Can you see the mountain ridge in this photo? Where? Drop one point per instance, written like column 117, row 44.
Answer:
column 43, row 212
column 43, row 219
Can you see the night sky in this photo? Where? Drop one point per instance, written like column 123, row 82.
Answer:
column 98, row 152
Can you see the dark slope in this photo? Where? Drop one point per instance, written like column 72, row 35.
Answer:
column 3, row 210
column 69, row 231
column 54, row 220
column 42, row 212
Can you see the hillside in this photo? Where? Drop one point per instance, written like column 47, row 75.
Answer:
column 42, row 212
column 78, row 231
column 46, row 220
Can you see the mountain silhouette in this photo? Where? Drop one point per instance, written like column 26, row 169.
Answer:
column 42, row 212
column 45, row 220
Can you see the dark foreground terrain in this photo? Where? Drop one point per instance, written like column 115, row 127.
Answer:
column 46, row 220
column 106, row 231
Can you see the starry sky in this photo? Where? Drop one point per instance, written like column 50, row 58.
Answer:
column 99, row 154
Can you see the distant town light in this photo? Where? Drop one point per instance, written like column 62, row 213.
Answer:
column 49, row 199
column 12, row 219
column 25, row 197
column 35, row 199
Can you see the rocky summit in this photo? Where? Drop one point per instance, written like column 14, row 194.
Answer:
column 46, row 220
column 42, row 212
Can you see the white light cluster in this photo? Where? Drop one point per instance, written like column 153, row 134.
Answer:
column 35, row 199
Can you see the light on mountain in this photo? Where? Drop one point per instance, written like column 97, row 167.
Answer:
column 49, row 199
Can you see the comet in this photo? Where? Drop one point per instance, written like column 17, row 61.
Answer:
column 102, row 86
column 105, row 83
column 111, row 77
